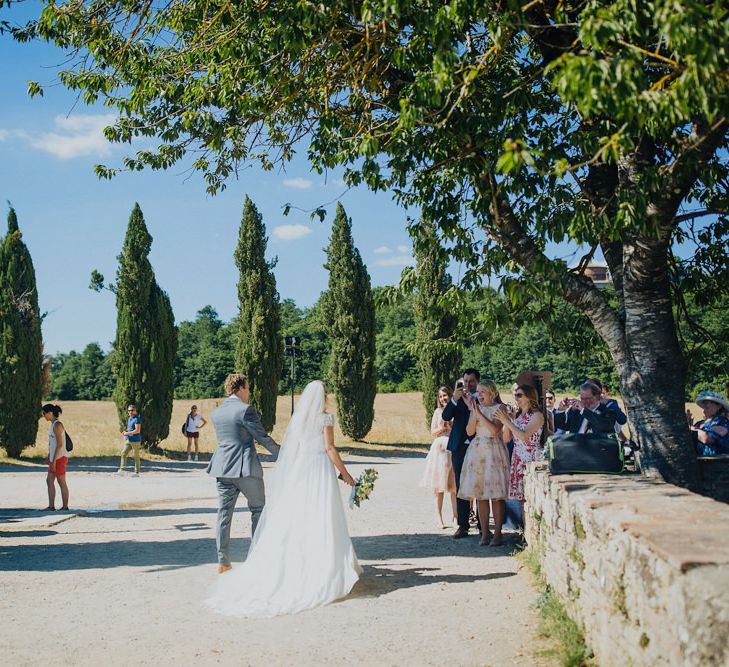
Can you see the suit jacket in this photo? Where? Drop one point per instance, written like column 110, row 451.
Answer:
column 236, row 427
column 601, row 420
column 458, row 415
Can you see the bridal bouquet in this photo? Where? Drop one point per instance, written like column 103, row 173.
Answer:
column 363, row 487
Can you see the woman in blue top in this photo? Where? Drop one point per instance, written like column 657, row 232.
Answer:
column 133, row 436
column 712, row 432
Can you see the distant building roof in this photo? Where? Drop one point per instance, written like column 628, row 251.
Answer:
column 599, row 273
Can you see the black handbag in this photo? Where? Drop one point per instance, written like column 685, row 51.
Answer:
column 69, row 442
column 585, row 453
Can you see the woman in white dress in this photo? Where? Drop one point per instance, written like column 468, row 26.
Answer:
column 301, row 556
column 438, row 474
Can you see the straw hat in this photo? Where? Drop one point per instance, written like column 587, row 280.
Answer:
column 714, row 397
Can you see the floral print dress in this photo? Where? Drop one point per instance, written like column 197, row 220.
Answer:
column 524, row 453
column 485, row 472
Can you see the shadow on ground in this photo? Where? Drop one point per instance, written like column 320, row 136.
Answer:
column 108, row 464
column 377, row 581
column 161, row 555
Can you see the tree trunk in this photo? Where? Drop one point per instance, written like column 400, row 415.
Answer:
column 653, row 370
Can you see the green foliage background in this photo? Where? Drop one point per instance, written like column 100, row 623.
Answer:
column 207, row 348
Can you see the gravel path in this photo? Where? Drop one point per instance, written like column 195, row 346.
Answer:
column 121, row 579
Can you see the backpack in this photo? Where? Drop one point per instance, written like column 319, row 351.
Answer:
column 69, row 442
column 184, row 425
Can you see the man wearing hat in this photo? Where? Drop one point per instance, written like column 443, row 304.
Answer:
column 712, row 432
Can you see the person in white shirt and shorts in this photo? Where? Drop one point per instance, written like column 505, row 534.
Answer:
column 195, row 421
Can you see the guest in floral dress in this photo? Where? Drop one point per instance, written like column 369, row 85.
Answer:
column 438, row 475
column 526, row 430
column 485, row 473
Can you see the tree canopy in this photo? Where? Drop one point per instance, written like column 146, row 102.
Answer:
column 511, row 125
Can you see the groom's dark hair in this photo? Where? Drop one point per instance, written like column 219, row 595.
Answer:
column 234, row 383
column 472, row 371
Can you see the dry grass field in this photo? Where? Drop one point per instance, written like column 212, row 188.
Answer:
column 399, row 426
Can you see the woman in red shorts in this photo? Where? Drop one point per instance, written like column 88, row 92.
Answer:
column 57, row 456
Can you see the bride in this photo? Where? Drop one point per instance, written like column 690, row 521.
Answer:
column 301, row 556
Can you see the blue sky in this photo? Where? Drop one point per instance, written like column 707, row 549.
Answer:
column 73, row 223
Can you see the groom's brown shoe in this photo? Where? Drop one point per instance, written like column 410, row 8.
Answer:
column 224, row 568
column 461, row 532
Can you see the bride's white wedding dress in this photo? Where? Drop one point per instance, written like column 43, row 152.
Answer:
column 301, row 556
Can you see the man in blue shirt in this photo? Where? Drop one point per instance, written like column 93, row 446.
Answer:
column 133, row 436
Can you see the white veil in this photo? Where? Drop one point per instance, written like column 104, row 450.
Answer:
column 303, row 437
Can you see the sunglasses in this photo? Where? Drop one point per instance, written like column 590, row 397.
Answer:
column 518, row 395
column 549, row 398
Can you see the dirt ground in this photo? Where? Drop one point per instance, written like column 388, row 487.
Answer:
column 121, row 579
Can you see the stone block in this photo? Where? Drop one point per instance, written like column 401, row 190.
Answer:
column 643, row 566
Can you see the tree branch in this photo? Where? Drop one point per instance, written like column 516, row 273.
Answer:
column 574, row 288
column 698, row 214
column 686, row 168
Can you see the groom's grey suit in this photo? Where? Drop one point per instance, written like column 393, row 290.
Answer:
column 236, row 467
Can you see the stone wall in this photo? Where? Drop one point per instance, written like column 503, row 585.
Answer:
column 714, row 473
column 642, row 565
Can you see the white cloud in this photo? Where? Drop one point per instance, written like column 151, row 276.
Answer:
column 403, row 248
column 298, row 183
column 75, row 136
column 4, row 134
column 382, row 250
column 398, row 260
column 291, row 232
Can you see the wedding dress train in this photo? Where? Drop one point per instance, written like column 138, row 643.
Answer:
column 301, row 556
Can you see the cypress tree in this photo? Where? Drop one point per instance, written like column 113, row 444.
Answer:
column 350, row 314
column 439, row 357
column 259, row 350
column 146, row 337
column 21, row 344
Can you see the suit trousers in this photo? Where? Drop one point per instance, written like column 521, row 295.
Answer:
column 463, row 507
column 228, row 490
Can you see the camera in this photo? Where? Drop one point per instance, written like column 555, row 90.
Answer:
column 459, row 384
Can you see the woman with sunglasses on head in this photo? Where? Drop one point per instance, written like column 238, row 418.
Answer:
column 195, row 421
column 526, row 430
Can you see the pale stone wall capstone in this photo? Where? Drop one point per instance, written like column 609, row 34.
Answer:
column 642, row 565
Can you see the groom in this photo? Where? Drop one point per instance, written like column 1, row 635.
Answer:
column 235, row 463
